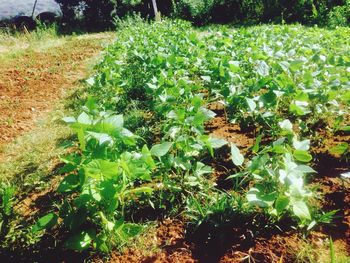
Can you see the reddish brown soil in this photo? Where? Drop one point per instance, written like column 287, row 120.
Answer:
column 170, row 237
column 220, row 127
column 335, row 195
column 31, row 83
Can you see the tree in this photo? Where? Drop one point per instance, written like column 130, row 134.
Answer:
column 155, row 8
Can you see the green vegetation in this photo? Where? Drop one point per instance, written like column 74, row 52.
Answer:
column 12, row 43
column 200, row 12
column 141, row 142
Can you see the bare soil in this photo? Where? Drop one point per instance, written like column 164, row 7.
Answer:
column 31, row 83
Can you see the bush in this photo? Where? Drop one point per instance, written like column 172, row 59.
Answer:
column 96, row 15
column 339, row 15
column 222, row 11
column 197, row 11
column 100, row 14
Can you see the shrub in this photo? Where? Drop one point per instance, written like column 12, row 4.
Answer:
column 194, row 10
column 339, row 15
column 222, row 11
column 95, row 15
column 100, row 14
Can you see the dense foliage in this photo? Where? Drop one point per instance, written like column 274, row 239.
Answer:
column 323, row 12
column 308, row 11
column 142, row 143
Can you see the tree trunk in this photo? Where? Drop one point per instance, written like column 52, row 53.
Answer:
column 155, row 8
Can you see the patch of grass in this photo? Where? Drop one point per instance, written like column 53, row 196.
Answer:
column 33, row 156
column 15, row 43
column 319, row 252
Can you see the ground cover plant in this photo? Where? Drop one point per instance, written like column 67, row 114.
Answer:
column 144, row 150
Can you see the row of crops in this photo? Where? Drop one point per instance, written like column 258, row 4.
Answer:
column 143, row 150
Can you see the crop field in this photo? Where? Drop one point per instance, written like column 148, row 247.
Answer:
column 215, row 144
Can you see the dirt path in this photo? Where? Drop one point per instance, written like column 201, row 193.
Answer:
column 31, row 82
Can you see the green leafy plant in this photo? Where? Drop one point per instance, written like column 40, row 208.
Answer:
column 142, row 141
column 6, row 207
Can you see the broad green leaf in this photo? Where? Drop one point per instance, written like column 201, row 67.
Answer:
column 69, row 183
column 69, row 119
column 302, row 96
column 234, row 66
column 279, row 149
column 162, row 149
column 147, row 157
column 281, row 204
column 81, row 138
column 6, row 194
column 201, row 169
column 102, row 138
column 346, row 97
column 152, row 86
column 296, row 65
column 107, row 224
column 117, row 121
column 207, row 113
column 45, row 222
column 305, row 169
column 197, row 101
column 91, row 104
column 236, row 156
column 268, row 98
column 301, row 210
column 254, row 200
column 90, row 81
column 284, row 65
column 256, row 196
column 83, row 118
column 301, row 145
column 286, row 125
column 97, row 168
column 206, row 78
column 251, row 104
column 302, row 156
column 263, row 69
column 297, row 110
column 216, row 143
column 128, row 137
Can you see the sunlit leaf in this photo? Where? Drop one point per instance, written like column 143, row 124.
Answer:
column 162, row 149
column 236, row 156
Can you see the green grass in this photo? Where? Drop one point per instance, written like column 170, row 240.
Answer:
column 15, row 43
column 322, row 252
column 33, row 156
